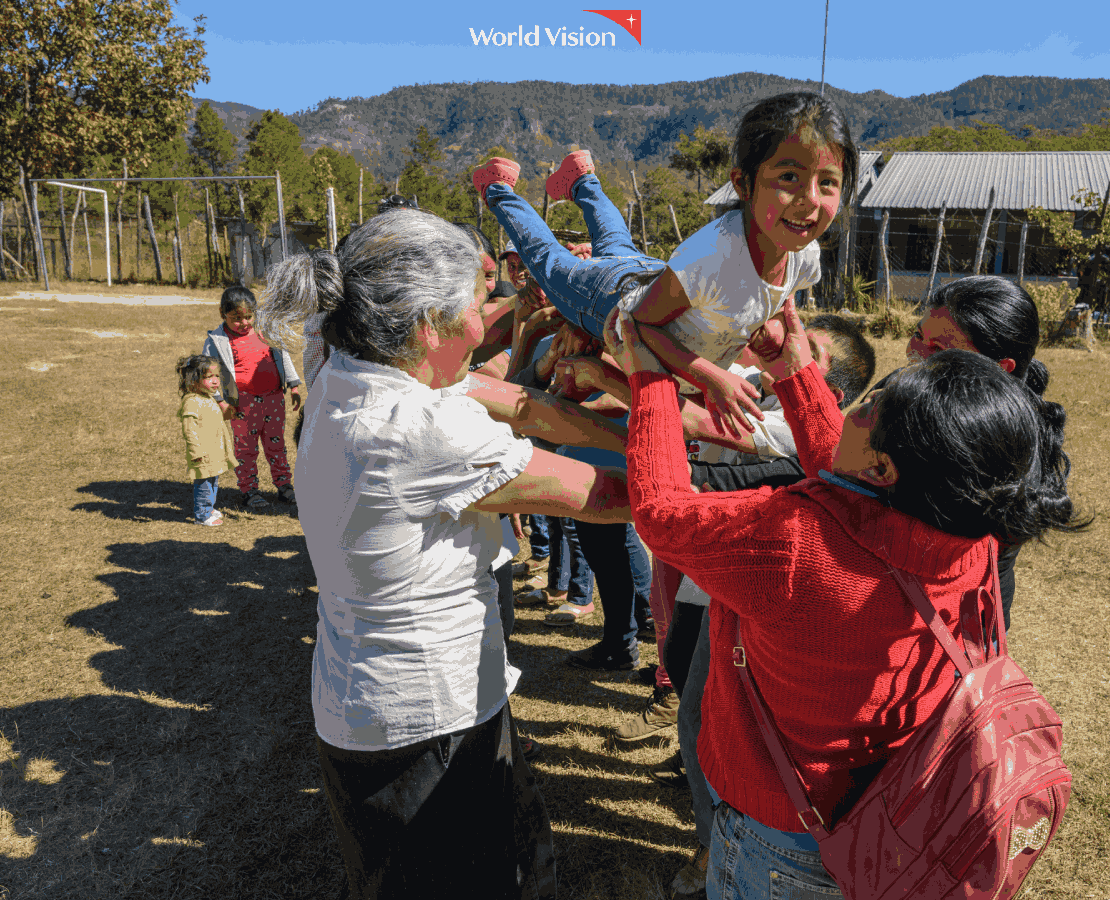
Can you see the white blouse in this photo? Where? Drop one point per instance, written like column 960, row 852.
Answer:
column 409, row 644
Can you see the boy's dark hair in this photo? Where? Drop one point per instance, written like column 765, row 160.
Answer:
column 772, row 121
column 190, row 372
column 1000, row 319
column 977, row 452
column 236, row 297
column 852, row 358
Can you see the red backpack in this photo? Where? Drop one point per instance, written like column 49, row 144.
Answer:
column 965, row 807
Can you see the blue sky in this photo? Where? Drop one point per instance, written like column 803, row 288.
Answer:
column 289, row 56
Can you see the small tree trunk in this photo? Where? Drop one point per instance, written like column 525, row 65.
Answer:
column 67, row 258
column 153, row 237
column 177, row 242
column 643, row 223
column 40, row 248
column 674, row 222
column 360, row 198
column 138, row 229
column 3, row 271
column 88, row 238
column 243, row 279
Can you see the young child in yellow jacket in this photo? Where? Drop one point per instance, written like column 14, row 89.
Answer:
column 208, row 443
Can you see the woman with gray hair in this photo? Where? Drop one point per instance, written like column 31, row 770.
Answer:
column 401, row 473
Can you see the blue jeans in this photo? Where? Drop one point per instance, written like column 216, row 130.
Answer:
column 702, row 797
column 623, row 571
column 204, row 497
column 569, row 570
column 749, row 861
column 540, row 538
column 583, row 290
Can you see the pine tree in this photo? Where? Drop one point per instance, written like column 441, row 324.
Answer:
column 211, row 144
column 274, row 145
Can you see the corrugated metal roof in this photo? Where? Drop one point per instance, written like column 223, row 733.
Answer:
column 964, row 180
column 726, row 193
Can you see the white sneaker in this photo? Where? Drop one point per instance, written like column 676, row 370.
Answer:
column 214, row 519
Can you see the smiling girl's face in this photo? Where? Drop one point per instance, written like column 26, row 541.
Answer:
column 795, row 197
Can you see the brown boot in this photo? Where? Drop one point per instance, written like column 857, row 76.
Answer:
column 661, row 713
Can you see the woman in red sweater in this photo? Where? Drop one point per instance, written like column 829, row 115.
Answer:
column 952, row 451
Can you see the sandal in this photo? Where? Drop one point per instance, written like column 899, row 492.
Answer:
column 568, row 614
column 577, row 164
column 497, row 169
column 537, row 597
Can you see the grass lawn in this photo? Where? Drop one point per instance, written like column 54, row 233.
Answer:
column 156, row 735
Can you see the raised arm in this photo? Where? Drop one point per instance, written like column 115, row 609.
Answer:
column 537, row 414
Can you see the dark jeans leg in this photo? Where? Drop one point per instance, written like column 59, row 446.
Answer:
column 689, row 724
column 540, row 539
column 607, row 551
column 682, row 639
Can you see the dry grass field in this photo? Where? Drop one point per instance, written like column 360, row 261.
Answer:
column 156, row 735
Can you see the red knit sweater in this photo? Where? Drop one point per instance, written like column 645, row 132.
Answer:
column 845, row 665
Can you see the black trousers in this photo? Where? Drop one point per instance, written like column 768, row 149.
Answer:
column 458, row 815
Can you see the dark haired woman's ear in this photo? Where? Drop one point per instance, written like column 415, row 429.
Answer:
column 739, row 183
column 883, row 474
column 1008, row 365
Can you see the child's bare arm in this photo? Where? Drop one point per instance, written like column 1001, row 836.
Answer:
column 729, row 398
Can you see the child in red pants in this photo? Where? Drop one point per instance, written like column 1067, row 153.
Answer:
column 253, row 379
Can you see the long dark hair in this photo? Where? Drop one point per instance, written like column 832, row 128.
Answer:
column 1000, row 319
column 772, row 121
column 977, row 452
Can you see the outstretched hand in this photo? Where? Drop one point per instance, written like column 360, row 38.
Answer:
column 793, row 353
column 629, row 351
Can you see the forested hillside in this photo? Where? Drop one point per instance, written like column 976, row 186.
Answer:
column 539, row 120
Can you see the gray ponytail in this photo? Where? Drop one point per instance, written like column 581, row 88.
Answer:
column 296, row 288
column 401, row 269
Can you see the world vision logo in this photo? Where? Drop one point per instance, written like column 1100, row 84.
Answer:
column 628, row 19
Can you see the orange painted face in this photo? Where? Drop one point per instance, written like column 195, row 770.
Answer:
column 935, row 332
column 796, row 193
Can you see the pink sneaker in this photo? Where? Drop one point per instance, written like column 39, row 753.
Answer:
column 577, row 164
column 496, row 169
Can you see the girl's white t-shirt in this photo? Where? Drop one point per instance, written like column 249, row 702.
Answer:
column 728, row 299
column 409, row 644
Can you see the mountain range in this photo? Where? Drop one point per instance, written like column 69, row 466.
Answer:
column 540, row 121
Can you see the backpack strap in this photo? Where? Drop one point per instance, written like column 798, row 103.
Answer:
column 788, row 772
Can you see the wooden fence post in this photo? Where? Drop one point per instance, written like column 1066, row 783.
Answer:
column 546, row 199
column 333, row 236
column 884, row 257
column 936, row 250
column 119, row 225
column 1021, row 252
column 281, row 216
column 360, row 197
column 983, row 235
column 3, row 271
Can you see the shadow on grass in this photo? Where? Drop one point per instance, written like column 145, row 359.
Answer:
column 162, row 500
column 201, row 777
